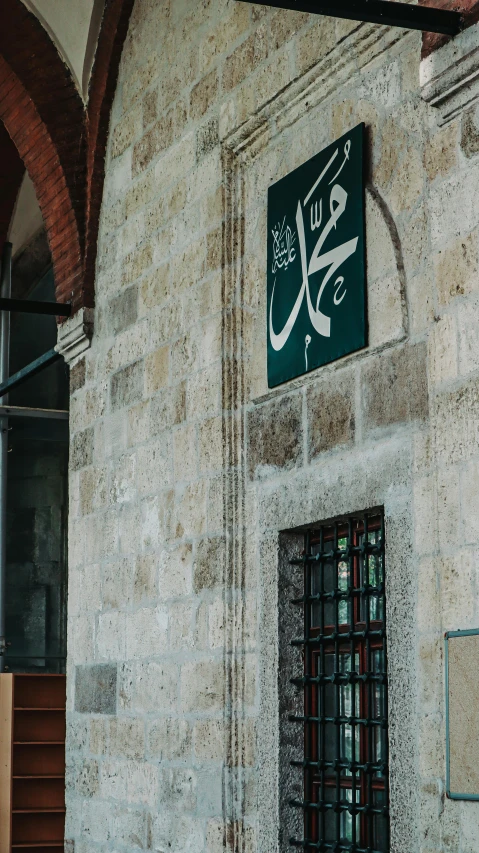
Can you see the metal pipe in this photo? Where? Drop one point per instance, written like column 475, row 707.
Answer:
column 28, row 306
column 5, row 292
column 27, row 372
column 24, row 412
column 394, row 14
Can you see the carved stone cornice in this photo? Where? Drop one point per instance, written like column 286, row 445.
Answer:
column 449, row 77
column 75, row 334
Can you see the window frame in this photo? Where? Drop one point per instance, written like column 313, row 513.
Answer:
column 363, row 636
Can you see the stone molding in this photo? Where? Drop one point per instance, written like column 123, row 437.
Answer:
column 239, row 145
column 449, row 77
column 75, row 334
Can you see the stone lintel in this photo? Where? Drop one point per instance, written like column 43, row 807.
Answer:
column 449, row 77
column 75, row 334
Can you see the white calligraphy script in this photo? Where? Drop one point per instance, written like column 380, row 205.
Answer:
column 329, row 261
column 283, row 251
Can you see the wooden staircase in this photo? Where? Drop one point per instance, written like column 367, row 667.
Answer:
column 32, row 763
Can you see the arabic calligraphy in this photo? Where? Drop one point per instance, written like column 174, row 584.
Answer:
column 283, row 249
column 329, row 261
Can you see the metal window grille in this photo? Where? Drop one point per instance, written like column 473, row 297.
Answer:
column 345, row 761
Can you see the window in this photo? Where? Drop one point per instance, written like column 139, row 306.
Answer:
column 345, row 761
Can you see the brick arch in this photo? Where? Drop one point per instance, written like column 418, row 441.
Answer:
column 60, row 140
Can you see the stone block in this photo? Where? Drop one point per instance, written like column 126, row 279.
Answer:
column 168, row 408
column 82, row 777
column 111, row 640
column 154, row 467
column 210, row 740
column 457, row 268
column 177, row 832
column 154, row 289
column 169, row 739
column 125, row 132
column 93, row 492
column 122, row 311
column 150, row 107
column 203, row 95
column 207, row 138
column 394, row 387
column 203, row 394
column 209, row 565
column 184, row 355
column 175, row 572
column 95, row 689
column 185, row 453
column 182, row 625
column 202, row 686
column 211, row 444
column 148, row 686
column 425, row 515
column 250, row 53
column 146, row 633
column 209, row 793
column 443, row 350
column 440, row 153
column 99, row 740
column 469, row 492
column 157, row 139
column 77, row 376
column 315, row 42
column 468, row 335
column 129, row 827
column 275, row 435
column 456, row 422
column 115, row 584
column 178, row 789
column 190, row 510
column 126, row 386
column 81, row 451
column 331, row 412
column 145, row 579
column 156, row 370
column 143, row 783
column 136, row 263
column 470, row 132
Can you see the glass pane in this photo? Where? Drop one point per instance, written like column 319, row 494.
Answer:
column 345, row 820
column 371, row 570
column 325, row 572
column 380, row 828
column 344, row 693
column 333, row 578
column 343, row 584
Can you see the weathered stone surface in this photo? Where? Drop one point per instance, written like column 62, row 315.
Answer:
column 330, row 412
column 394, row 387
column 470, row 132
column 275, row 435
column 123, row 310
column 77, row 376
column 210, row 563
column 95, row 689
column 126, row 385
column 82, row 449
column 185, row 467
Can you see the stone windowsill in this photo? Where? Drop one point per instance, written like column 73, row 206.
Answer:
column 449, row 77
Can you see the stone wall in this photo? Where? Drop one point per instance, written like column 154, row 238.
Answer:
column 185, row 468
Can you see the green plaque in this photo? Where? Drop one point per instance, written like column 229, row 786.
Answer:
column 316, row 261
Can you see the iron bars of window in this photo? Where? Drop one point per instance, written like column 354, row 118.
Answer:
column 345, row 761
